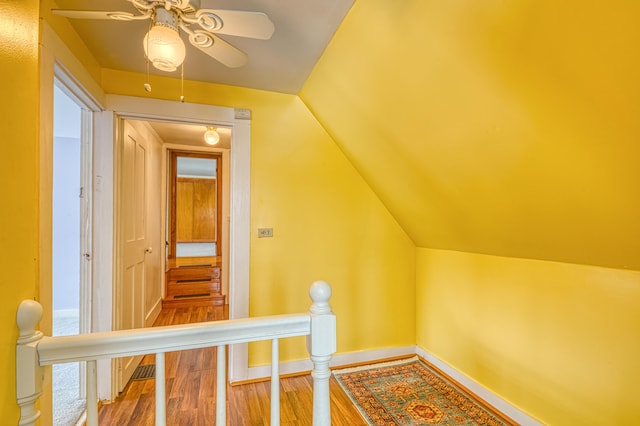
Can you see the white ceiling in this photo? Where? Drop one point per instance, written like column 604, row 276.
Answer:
column 303, row 28
column 189, row 134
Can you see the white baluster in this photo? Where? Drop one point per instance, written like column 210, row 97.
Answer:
column 161, row 400
column 92, row 393
column 221, row 387
column 275, row 383
column 321, row 344
column 28, row 371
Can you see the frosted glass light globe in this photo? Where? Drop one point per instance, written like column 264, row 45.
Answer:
column 164, row 48
column 211, row 136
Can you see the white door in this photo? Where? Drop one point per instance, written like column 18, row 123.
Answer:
column 133, row 215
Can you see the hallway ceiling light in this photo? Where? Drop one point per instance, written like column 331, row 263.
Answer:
column 211, row 136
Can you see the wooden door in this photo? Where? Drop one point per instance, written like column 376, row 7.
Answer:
column 134, row 242
column 195, row 200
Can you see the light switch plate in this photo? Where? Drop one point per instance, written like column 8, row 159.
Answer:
column 265, row 232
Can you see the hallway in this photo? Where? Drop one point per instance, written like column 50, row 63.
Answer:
column 191, row 389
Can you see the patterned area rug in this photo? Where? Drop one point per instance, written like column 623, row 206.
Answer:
column 408, row 392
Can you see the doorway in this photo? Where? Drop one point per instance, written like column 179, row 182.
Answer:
column 195, row 204
column 196, row 262
column 71, row 242
column 108, row 165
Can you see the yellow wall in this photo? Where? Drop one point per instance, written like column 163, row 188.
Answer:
column 18, row 181
column 499, row 127
column 559, row 341
column 511, row 129
column 327, row 223
column 504, row 128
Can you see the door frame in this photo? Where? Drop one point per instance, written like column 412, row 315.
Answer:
column 71, row 88
column 239, row 121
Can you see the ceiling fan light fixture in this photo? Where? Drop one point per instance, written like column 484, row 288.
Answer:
column 211, row 136
column 162, row 44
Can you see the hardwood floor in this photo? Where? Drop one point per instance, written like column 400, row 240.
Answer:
column 191, row 390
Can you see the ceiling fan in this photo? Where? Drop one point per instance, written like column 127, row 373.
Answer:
column 163, row 46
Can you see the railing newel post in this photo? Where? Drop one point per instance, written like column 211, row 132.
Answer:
column 29, row 374
column 321, row 344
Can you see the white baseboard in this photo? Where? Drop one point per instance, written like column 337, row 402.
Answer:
column 153, row 313
column 360, row 357
column 304, row 365
column 485, row 394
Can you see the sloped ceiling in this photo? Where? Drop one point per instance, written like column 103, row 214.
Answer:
column 506, row 128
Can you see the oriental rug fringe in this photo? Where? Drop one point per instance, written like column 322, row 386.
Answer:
column 409, row 392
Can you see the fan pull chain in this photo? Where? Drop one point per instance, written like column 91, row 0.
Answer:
column 147, row 85
column 182, row 83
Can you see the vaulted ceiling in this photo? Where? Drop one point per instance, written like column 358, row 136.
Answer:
column 504, row 128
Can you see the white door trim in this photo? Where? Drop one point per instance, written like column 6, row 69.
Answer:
column 104, row 208
column 240, row 123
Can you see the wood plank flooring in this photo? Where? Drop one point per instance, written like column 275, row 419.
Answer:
column 191, row 390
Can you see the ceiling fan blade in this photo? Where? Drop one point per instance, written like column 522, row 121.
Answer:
column 100, row 14
column 236, row 23
column 217, row 48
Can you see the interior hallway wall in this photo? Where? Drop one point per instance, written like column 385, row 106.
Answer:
column 66, row 201
column 66, row 223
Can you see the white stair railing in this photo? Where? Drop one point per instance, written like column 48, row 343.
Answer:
column 34, row 351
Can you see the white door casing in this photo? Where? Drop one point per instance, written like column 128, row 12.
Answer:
column 86, row 234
